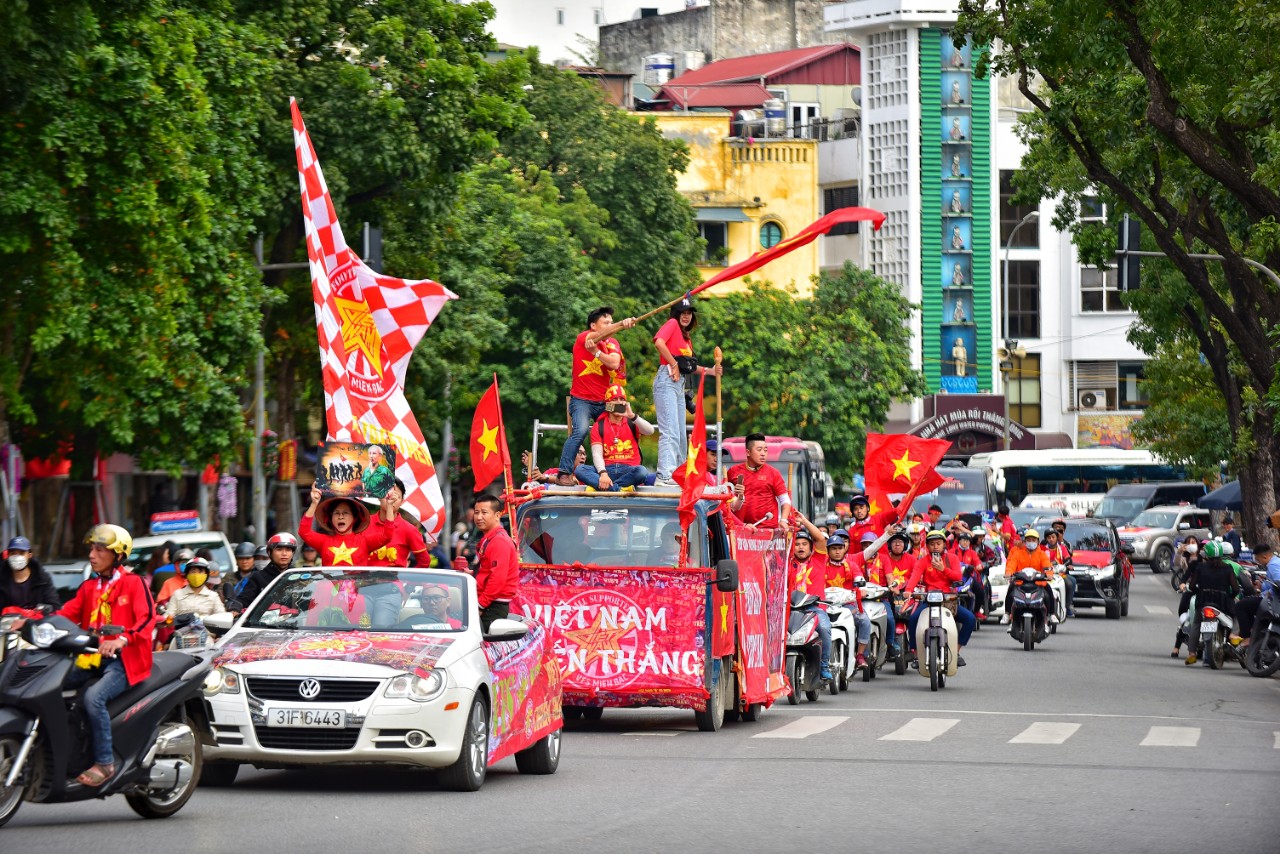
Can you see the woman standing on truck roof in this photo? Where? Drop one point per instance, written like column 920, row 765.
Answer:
column 675, row 350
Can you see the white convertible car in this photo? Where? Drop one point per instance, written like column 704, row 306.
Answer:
column 351, row 666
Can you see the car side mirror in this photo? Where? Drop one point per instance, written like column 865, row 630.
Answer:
column 727, row 576
column 506, row 630
column 1126, row 548
column 219, row 624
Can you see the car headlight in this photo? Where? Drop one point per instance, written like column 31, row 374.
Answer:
column 1103, row 571
column 45, row 635
column 221, row 681
column 423, row 689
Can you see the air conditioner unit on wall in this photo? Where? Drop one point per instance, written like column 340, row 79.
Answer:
column 1092, row 399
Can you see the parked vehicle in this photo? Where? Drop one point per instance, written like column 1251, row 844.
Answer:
column 1155, row 532
column 214, row 541
column 44, row 738
column 804, row 649
column 964, row 490
column 1262, row 656
column 936, row 638
column 1122, row 503
column 385, row 666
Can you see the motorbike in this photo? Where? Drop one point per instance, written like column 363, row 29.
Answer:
column 1215, row 628
column 804, row 649
column 844, row 634
column 903, row 607
column 967, row 591
column 1262, row 655
column 936, row 638
column 189, row 633
column 44, row 735
column 1029, row 620
column 875, row 603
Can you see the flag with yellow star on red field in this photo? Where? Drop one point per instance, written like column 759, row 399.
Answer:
column 695, row 466
column 897, row 463
column 489, row 455
column 368, row 325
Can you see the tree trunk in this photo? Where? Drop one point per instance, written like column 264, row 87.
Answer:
column 1258, row 481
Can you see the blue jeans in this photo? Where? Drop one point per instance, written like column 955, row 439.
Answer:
column 1071, row 591
column 964, row 619
column 891, row 627
column 862, row 627
column 582, row 414
column 621, row 475
column 111, row 683
column 668, row 402
column 824, row 634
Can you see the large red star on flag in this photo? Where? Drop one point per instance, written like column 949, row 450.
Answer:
column 595, row 638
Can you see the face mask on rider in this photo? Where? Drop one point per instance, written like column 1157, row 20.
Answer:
column 196, row 579
column 1032, row 545
column 17, row 562
column 1192, row 548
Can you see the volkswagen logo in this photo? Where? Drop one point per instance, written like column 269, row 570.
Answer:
column 309, row 689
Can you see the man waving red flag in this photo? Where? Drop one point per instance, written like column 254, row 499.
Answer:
column 489, row 455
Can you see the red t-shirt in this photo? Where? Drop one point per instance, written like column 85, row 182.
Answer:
column 499, row 573
column 843, row 574
column 934, row 579
column 675, row 339
column 887, row 569
column 875, row 524
column 809, row 576
column 618, row 441
column 764, row 488
column 590, row 377
column 404, row 540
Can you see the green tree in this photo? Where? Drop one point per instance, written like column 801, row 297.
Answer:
column 824, row 368
column 1168, row 111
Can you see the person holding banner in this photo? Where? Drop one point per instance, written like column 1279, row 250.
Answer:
column 597, row 364
column 340, row 528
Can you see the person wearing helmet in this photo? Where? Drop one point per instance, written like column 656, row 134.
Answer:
column 1028, row 555
column 867, row 566
column 23, row 581
column 937, row 569
column 830, row 524
column 916, row 531
column 281, row 548
column 342, row 531
column 807, row 571
column 615, row 446
column 117, row 597
column 310, row 557
column 161, row 582
column 864, row 520
column 1060, row 555
column 1212, row 582
column 242, row 569
column 842, row 572
column 196, row 596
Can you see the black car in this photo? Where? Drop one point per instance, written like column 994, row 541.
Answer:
column 1100, row 566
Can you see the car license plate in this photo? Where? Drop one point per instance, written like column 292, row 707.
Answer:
column 1207, row 626
column 313, row 718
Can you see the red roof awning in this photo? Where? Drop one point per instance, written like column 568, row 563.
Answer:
column 730, row 96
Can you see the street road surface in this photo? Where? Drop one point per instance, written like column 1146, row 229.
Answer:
column 1097, row 741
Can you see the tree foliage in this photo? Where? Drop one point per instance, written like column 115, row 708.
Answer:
column 1168, row 110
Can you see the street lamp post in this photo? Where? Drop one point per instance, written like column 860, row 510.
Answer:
column 1004, row 299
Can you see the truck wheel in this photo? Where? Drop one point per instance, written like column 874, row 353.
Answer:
column 753, row 712
column 712, row 719
column 592, row 713
column 1162, row 559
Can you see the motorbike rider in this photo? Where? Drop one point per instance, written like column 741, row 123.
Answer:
column 807, row 572
column 281, row 547
column 24, row 583
column 1027, row 555
column 1247, row 608
column 243, row 568
column 165, row 574
column 840, row 573
column 261, row 559
column 117, row 597
column 1190, row 556
column 864, row 521
column 866, row 566
column 196, row 596
column 916, row 530
column 1060, row 555
column 938, row 570
column 1214, row 583
column 890, row 569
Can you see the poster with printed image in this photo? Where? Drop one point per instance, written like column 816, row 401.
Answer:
column 355, row 470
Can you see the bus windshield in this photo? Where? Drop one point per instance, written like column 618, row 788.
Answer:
column 964, row 491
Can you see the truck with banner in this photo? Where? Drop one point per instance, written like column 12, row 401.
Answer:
column 638, row 617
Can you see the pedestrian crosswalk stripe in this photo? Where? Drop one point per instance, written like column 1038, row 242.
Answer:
column 657, row 732
column 1172, row 736
column 804, row 727
column 921, row 729
column 1277, row 741
column 1158, row 609
column 1045, row 732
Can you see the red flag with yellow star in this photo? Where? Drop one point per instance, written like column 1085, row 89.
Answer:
column 897, row 463
column 489, row 455
column 695, row 467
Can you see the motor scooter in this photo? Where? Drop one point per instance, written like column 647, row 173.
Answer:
column 45, row 739
column 876, row 601
column 1262, row 655
column 804, row 649
column 936, row 638
column 844, row 634
column 1029, row 618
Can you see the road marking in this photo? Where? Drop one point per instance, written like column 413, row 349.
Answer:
column 1277, row 741
column 1172, row 736
column 1041, row 714
column 667, row 732
column 803, row 728
column 1045, row 732
column 1157, row 579
column 921, row 729
column 1158, row 609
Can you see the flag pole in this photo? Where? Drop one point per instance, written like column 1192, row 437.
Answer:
column 509, row 491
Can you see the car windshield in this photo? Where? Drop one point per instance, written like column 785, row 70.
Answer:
column 1154, row 519
column 380, row 600
column 1024, row 516
column 605, row 535
column 1089, row 537
column 141, row 554
column 1120, row 507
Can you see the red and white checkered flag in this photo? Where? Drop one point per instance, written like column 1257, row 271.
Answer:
column 368, row 325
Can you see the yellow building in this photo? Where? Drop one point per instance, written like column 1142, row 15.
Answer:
column 748, row 194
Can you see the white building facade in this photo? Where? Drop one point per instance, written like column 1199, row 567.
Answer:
column 565, row 31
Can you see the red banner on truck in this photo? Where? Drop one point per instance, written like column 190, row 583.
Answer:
column 762, row 612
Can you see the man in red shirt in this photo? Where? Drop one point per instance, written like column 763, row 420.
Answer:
column 864, row 521
column 113, row 596
column 761, row 498
column 615, row 446
column 937, row 569
column 406, row 539
column 808, row 573
column 597, row 364
column 498, row 574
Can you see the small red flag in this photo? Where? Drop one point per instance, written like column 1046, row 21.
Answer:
column 489, row 455
column 897, row 463
column 695, row 467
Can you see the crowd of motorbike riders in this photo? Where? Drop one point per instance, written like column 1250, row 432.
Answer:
column 931, row 553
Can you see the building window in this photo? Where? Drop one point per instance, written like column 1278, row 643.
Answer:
column 1010, row 97
column 597, row 17
column 1108, row 386
column 1024, row 391
column 1028, row 236
column 1131, row 385
column 716, row 251
column 770, row 234
column 1100, row 290
column 834, row 198
column 1023, row 293
column 559, row 17
column 803, row 117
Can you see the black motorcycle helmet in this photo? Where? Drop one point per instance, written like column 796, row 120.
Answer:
column 245, row 549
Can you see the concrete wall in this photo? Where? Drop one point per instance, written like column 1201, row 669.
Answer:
column 723, row 29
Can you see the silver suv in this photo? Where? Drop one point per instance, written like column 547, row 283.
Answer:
column 1156, row 531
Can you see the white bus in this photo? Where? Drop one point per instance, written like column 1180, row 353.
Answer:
column 1070, row 480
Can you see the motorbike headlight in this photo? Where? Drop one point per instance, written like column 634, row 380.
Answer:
column 1103, row 571
column 422, row 689
column 221, row 681
column 45, row 635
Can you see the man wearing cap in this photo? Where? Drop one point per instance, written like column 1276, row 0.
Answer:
column 597, row 364
column 808, row 572
column 841, row 573
column 1230, row 534
column 615, row 446
column 864, row 521
column 761, row 498
column 1027, row 555
column 938, row 570
column 23, row 581
column 435, row 605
